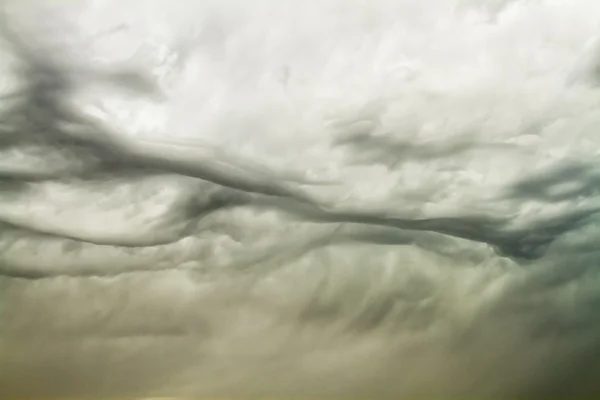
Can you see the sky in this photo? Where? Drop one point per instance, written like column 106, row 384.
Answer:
column 333, row 198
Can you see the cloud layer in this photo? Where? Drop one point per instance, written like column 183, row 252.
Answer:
column 274, row 198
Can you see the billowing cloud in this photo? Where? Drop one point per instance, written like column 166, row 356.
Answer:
column 284, row 198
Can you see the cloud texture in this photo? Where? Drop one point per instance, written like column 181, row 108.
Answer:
column 311, row 198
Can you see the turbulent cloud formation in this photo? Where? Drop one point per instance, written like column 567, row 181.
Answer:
column 311, row 198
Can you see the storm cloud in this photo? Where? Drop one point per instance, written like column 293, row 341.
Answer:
column 280, row 198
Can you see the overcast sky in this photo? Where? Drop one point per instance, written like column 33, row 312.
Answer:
column 311, row 198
